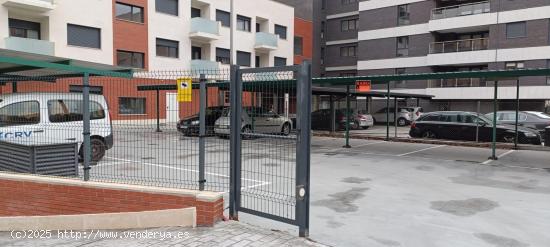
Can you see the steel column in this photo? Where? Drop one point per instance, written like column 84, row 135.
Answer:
column 388, row 113
column 303, row 147
column 347, row 117
column 495, row 106
column 517, row 116
column 14, row 87
column 86, row 145
column 235, row 142
column 202, row 131
column 332, row 115
column 395, row 116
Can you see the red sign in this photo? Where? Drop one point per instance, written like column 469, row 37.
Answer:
column 363, row 86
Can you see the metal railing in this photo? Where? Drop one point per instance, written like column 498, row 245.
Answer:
column 457, row 82
column 459, row 45
column 202, row 25
column 266, row 39
column 461, row 10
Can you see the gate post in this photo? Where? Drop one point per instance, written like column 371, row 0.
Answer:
column 86, row 144
column 235, row 142
column 202, row 130
column 303, row 148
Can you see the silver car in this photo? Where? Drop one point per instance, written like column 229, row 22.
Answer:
column 404, row 116
column 255, row 120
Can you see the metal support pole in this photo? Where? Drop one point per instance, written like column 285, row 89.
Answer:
column 517, row 116
column 348, row 117
column 477, row 123
column 86, row 145
column 158, row 111
column 202, row 130
column 332, row 115
column 303, row 149
column 388, row 113
column 395, row 116
column 495, row 106
column 235, row 143
column 14, row 87
column 417, row 102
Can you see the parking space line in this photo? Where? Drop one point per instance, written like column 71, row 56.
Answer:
column 352, row 147
column 421, row 150
column 500, row 156
column 258, row 182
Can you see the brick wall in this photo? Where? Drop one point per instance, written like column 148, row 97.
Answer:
column 24, row 198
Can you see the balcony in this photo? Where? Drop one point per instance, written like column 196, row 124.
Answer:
column 459, row 46
column 37, row 46
column 204, row 30
column 457, row 82
column 204, row 65
column 461, row 10
column 266, row 42
column 30, row 5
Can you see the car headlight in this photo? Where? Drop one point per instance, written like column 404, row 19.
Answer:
column 196, row 122
column 530, row 134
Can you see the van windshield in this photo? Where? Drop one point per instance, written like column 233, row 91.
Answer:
column 20, row 113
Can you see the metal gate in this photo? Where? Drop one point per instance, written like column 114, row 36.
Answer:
column 270, row 143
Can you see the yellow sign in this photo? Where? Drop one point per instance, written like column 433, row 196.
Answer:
column 185, row 90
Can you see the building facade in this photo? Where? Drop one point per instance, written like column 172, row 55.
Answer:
column 377, row 37
column 149, row 35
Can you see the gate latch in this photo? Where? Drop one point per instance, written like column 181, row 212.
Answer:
column 300, row 192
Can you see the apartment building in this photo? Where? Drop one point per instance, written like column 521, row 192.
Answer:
column 303, row 29
column 423, row 36
column 149, row 35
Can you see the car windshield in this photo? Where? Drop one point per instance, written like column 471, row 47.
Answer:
column 484, row 118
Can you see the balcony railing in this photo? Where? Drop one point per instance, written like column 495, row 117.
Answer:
column 459, row 45
column 266, row 41
column 461, row 10
column 457, row 82
column 33, row 5
column 37, row 46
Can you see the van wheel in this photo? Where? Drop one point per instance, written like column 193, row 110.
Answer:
column 286, row 129
column 98, row 150
column 429, row 135
column 401, row 122
column 246, row 130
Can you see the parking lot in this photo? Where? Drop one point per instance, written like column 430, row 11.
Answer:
column 376, row 193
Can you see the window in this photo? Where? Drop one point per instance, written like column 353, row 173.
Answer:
column 514, row 65
column 280, row 61
column 24, row 29
column 131, row 106
column 548, row 77
column 281, row 31
column 516, row 30
column 323, row 29
column 20, row 113
column 195, row 12
column 402, row 46
column 400, row 84
column 223, row 55
column 223, row 17
column 403, row 15
column 79, row 89
column 344, row 2
column 167, row 48
column 322, row 55
column 258, row 62
column 348, row 74
column 130, row 59
column 167, row 6
column 243, row 58
column 243, row 23
column 348, row 51
column 129, row 12
column 62, row 111
column 83, row 36
column 298, row 45
column 348, row 25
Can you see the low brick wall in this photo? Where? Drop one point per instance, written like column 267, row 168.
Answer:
column 25, row 195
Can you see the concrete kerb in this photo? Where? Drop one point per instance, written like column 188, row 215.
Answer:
column 506, row 146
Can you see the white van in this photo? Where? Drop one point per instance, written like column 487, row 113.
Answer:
column 53, row 118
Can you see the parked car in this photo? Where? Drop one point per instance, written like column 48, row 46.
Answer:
column 255, row 120
column 404, row 116
column 416, row 112
column 321, row 120
column 54, row 118
column 529, row 119
column 455, row 125
column 191, row 125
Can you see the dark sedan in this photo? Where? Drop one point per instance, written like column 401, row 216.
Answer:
column 191, row 125
column 529, row 119
column 465, row 125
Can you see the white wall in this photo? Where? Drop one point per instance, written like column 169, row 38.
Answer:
column 92, row 13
